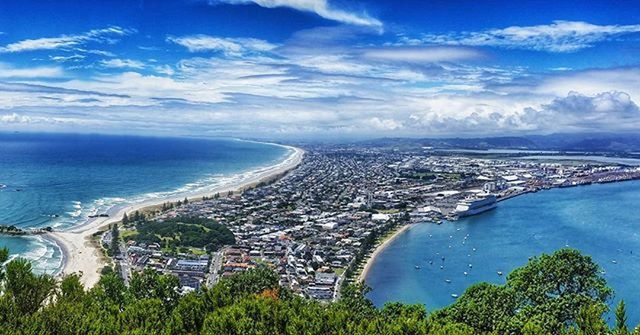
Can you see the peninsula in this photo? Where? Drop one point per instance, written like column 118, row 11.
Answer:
column 82, row 255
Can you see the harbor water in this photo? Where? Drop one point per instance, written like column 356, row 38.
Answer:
column 602, row 221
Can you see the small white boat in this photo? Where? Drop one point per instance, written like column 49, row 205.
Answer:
column 499, row 273
column 418, row 267
column 470, row 265
column 465, row 273
column 441, row 267
column 453, row 295
column 614, row 261
column 448, row 281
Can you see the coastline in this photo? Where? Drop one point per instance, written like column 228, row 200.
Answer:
column 379, row 248
column 80, row 255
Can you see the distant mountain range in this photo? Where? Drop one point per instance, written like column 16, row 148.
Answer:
column 621, row 143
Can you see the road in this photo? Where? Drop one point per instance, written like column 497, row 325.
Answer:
column 216, row 265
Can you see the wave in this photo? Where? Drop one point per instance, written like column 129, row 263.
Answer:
column 44, row 255
column 210, row 183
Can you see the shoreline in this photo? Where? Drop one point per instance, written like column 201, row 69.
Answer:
column 80, row 255
column 379, row 248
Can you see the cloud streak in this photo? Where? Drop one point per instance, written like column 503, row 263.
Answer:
column 558, row 37
column 319, row 7
column 422, row 55
column 66, row 41
column 227, row 46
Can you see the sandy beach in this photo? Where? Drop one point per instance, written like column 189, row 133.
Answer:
column 379, row 249
column 82, row 256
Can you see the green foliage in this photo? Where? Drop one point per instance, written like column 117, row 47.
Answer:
column 549, row 294
column 24, row 288
column 251, row 302
column 621, row 319
column 115, row 240
column 4, row 256
column 185, row 232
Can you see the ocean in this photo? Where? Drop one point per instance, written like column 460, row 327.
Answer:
column 58, row 180
column 601, row 221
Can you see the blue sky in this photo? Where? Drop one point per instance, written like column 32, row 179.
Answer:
column 317, row 68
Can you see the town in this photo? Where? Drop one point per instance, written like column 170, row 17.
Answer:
column 316, row 225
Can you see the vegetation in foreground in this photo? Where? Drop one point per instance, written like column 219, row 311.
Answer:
column 562, row 293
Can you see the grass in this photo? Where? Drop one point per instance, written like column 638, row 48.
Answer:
column 125, row 234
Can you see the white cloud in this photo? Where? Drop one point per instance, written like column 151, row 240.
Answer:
column 122, row 63
column 71, row 58
column 559, row 36
column 423, row 55
column 354, row 90
column 14, row 118
column 228, row 46
column 8, row 72
column 319, row 7
column 65, row 41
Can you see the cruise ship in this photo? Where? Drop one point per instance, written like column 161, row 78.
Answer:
column 475, row 205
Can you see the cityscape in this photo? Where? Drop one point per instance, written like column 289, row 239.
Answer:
column 310, row 225
column 319, row 167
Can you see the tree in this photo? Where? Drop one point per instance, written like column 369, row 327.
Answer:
column 621, row 319
column 561, row 284
column 115, row 240
column 485, row 307
column 4, row 255
column 151, row 285
column 71, row 289
column 27, row 290
column 589, row 320
column 125, row 219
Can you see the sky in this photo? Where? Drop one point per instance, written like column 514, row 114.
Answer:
column 324, row 69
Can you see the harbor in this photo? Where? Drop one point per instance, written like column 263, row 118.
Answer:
column 590, row 218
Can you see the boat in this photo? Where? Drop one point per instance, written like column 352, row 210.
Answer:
column 465, row 273
column 614, row 262
column 448, row 281
column 499, row 273
column 453, row 295
column 418, row 267
column 470, row 265
column 476, row 205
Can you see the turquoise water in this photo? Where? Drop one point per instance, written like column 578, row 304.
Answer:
column 59, row 180
column 602, row 221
